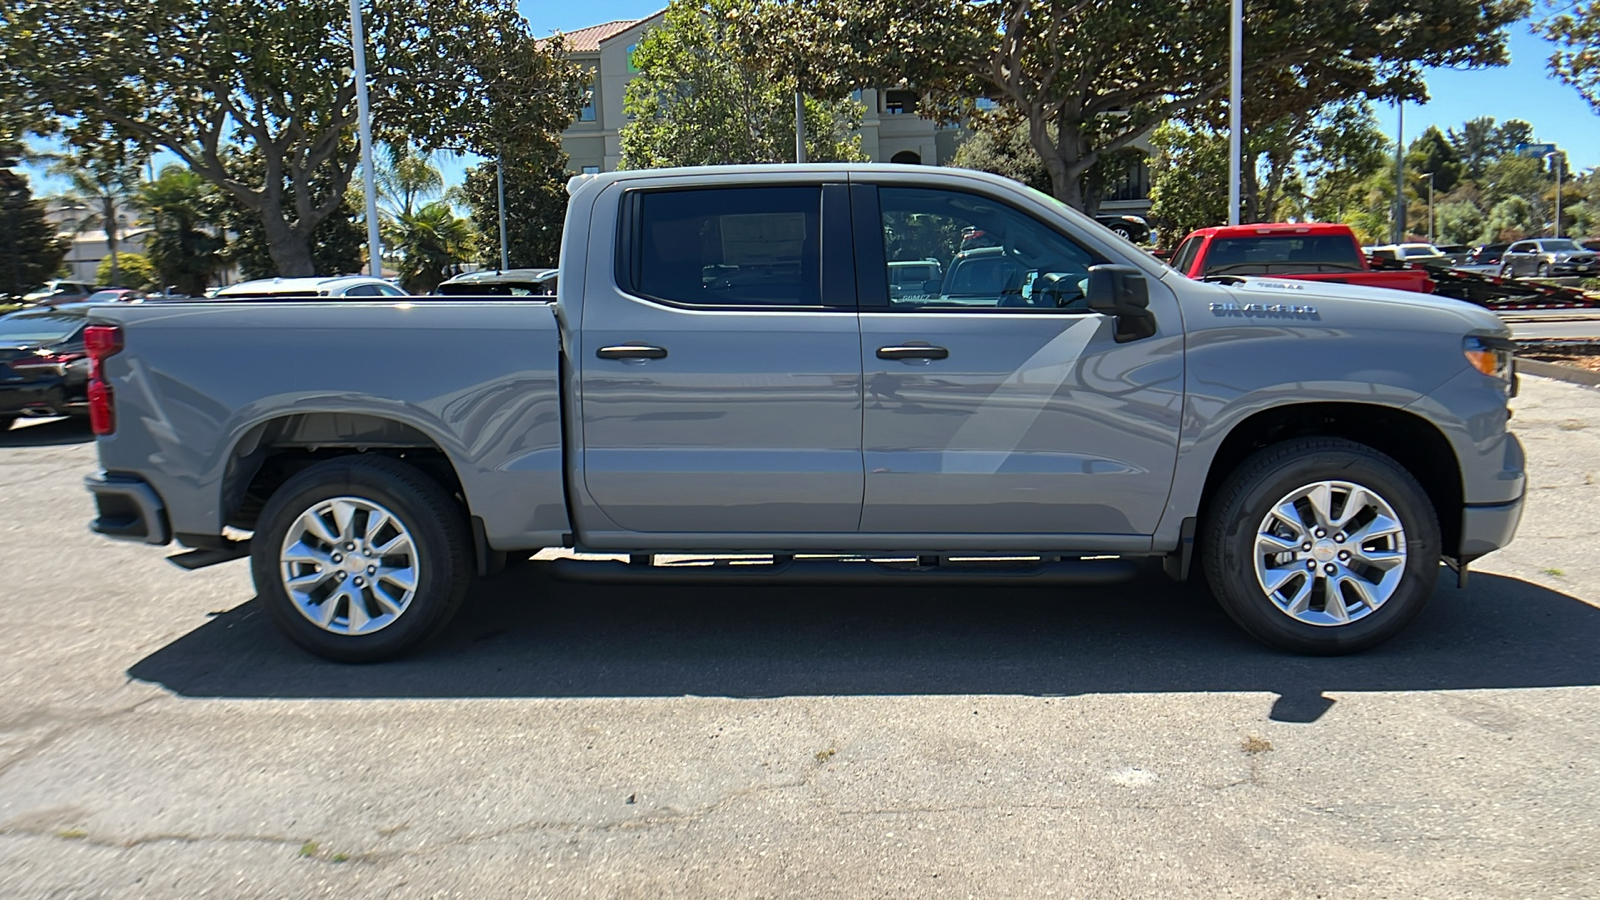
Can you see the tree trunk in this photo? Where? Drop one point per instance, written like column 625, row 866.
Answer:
column 1063, row 158
column 288, row 245
column 110, row 215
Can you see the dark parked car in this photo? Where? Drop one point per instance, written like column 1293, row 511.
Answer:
column 43, row 367
column 1548, row 257
column 1458, row 253
column 1486, row 254
column 1133, row 228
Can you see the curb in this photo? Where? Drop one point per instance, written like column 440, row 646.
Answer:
column 1558, row 372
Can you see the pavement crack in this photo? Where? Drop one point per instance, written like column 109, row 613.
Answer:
column 70, row 724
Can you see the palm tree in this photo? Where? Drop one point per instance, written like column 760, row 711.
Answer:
column 406, row 181
column 106, row 187
column 431, row 242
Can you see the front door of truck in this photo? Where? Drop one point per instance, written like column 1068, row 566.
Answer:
column 721, row 363
column 996, row 402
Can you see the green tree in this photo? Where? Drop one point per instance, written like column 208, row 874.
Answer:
column 1575, row 30
column 338, row 245
column 1188, row 179
column 1433, row 154
column 698, row 100
column 274, row 79
column 536, row 205
column 998, row 143
column 1512, row 219
column 1480, row 142
column 104, row 183
column 29, row 250
column 431, row 243
column 406, row 180
column 134, row 270
column 184, row 248
column 1460, row 222
column 1104, row 74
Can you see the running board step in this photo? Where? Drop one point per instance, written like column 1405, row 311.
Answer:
column 1077, row 572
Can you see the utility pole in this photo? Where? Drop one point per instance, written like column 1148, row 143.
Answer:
column 1399, row 172
column 500, row 185
column 800, row 126
column 1555, row 166
column 364, row 117
column 1430, row 207
column 1235, row 116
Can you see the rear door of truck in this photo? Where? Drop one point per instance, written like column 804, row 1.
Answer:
column 720, row 368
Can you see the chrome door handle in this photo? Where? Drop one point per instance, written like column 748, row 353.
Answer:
column 913, row 351
column 631, row 351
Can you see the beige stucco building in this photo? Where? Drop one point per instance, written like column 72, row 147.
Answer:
column 891, row 130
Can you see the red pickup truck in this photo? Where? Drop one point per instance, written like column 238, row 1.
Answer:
column 1313, row 251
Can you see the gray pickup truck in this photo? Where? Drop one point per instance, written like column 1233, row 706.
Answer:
column 725, row 371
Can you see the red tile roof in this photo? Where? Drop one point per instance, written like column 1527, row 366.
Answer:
column 587, row 40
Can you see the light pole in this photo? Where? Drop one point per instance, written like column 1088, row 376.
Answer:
column 364, row 123
column 1400, row 172
column 500, row 186
column 1430, row 207
column 1555, row 166
column 1235, row 117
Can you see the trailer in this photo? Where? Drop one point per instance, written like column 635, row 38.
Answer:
column 1495, row 292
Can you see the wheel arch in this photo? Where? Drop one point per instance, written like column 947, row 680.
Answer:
column 1413, row 442
column 271, row 451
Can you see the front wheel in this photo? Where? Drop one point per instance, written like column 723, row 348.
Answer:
column 361, row 558
column 1321, row 546
column 1544, row 270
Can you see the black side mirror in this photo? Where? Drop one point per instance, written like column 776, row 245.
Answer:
column 1121, row 291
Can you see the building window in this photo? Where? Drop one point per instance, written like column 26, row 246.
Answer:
column 1132, row 183
column 587, row 113
column 591, row 170
column 631, row 66
column 900, row 103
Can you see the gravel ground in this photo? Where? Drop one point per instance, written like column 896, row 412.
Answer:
column 158, row 739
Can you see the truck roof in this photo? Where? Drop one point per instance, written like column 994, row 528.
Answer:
column 1259, row 228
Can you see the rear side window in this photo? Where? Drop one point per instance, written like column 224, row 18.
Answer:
column 1183, row 257
column 1282, row 255
column 728, row 246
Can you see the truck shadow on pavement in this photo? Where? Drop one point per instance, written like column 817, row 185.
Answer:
column 523, row 634
column 51, row 433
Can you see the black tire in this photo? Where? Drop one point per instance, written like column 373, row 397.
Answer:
column 1506, row 271
column 1544, row 270
column 440, row 536
column 1229, row 533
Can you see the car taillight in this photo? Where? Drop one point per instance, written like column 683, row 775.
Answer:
column 101, row 342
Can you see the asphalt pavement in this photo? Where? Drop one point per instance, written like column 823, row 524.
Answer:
column 159, row 739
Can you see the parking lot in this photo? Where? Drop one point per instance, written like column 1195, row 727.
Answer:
column 158, row 738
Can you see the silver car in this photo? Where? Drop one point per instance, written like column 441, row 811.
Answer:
column 1547, row 258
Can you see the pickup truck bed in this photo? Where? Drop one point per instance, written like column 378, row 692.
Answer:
column 729, row 368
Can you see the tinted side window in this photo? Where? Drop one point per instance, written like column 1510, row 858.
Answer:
column 362, row 290
column 991, row 256
column 729, row 246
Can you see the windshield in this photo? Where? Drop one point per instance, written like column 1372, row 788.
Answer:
column 1421, row 251
column 1560, row 245
column 1282, row 255
column 38, row 328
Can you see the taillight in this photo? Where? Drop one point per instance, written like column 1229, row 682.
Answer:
column 101, row 342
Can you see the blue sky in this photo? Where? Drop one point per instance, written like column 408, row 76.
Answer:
column 1524, row 89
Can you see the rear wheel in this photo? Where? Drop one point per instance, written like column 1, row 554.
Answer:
column 361, row 558
column 1322, row 546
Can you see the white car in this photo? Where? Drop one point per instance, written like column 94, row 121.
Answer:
column 364, row 286
column 1419, row 253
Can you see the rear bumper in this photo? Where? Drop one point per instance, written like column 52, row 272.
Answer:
column 1487, row 528
column 42, row 398
column 128, row 509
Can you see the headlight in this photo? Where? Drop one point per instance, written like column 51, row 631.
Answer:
column 1493, row 356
